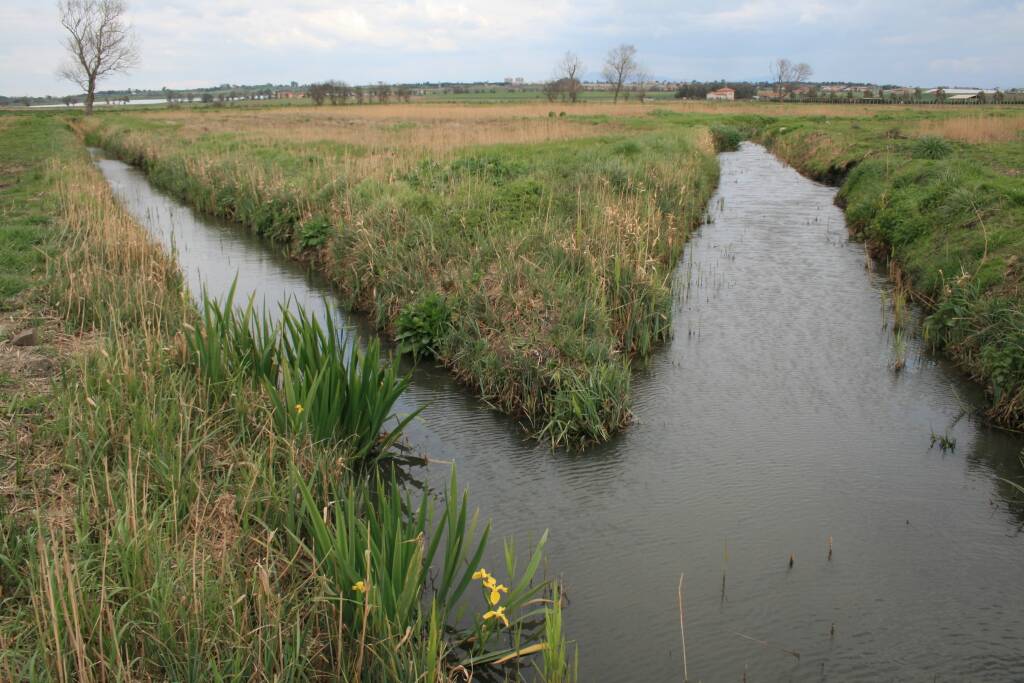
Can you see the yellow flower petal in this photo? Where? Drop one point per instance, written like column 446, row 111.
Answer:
column 480, row 574
column 498, row 613
column 359, row 586
column 299, row 408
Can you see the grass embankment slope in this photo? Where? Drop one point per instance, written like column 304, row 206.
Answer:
column 942, row 194
column 529, row 253
column 168, row 508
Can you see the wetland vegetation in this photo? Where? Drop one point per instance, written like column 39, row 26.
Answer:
column 183, row 495
column 200, row 491
column 530, row 252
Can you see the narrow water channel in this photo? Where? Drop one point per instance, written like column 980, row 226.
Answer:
column 771, row 423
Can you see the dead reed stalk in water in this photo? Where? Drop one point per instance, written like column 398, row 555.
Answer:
column 682, row 627
column 765, row 643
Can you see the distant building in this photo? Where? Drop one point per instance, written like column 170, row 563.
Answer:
column 952, row 92
column 722, row 94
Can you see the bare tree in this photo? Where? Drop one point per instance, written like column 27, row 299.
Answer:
column 568, row 74
column 619, row 67
column 780, row 71
column 641, row 81
column 800, row 74
column 99, row 43
column 786, row 75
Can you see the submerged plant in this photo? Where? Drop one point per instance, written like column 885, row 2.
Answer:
column 945, row 442
column 899, row 350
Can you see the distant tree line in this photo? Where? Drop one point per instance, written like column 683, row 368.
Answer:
column 340, row 92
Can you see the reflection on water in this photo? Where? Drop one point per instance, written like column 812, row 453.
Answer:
column 770, row 424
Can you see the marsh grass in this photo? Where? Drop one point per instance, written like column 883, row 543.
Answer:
column 552, row 259
column 161, row 525
column 981, row 128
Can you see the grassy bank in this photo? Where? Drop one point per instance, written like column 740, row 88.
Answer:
column 170, row 509
column 942, row 195
column 530, row 253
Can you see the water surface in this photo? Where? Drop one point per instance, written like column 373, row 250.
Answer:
column 772, row 422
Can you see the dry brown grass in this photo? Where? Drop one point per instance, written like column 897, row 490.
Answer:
column 442, row 128
column 979, row 128
column 433, row 129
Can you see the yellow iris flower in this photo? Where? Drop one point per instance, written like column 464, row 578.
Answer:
column 359, row 586
column 496, row 590
column 299, row 408
column 482, row 575
column 498, row 613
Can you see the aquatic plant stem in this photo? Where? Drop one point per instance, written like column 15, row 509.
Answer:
column 682, row 627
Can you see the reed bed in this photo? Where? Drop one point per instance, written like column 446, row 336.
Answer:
column 166, row 526
column 548, row 264
column 980, row 128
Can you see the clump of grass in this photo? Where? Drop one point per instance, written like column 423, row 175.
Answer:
column 899, row 349
column 931, row 147
column 727, row 138
column 946, row 443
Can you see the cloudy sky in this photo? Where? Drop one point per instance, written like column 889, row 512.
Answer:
column 192, row 43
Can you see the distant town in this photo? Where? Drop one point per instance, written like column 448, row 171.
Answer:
column 339, row 92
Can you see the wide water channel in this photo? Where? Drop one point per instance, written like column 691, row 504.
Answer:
column 771, row 423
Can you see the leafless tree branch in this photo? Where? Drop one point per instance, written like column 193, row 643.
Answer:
column 98, row 41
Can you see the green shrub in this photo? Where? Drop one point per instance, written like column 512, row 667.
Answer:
column 931, row 147
column 313, row 233
column 727, row 138
column 422, row 326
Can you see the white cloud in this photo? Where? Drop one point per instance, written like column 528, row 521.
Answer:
column 240, row 41
column 410, row 26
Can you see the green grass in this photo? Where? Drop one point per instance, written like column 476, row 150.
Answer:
column 160, row 524
column 25, row 221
